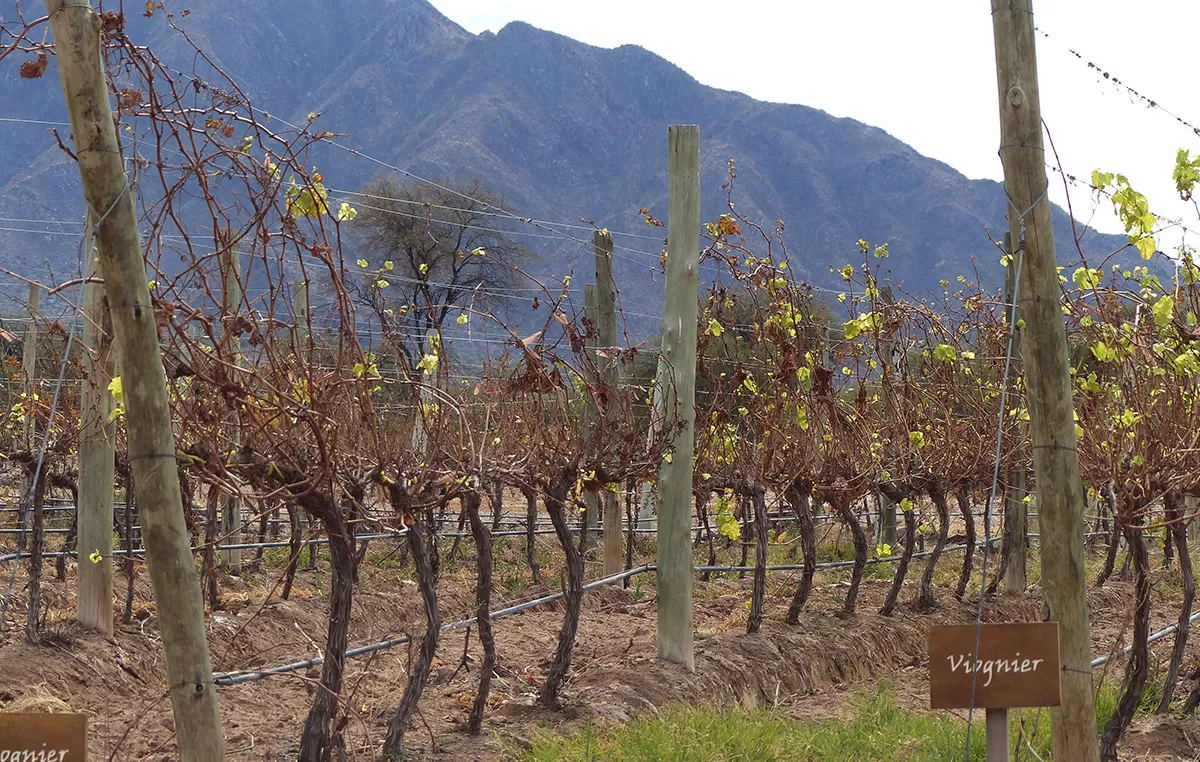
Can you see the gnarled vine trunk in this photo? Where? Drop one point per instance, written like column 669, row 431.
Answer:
column 69, row 546
column 530, row 538
column 1177, row 524
column 495, row 491
column 418, row 544
column 843, row 506
column 938, row 496
column 1114, row 539
column 556, row 502
column 910, row 532
column 295, row 546
column 758, row 500
column 320, row 738
column 701, row 498
column 1138, row 668
column 799, row 497
column 964, row 507
column 483, row 612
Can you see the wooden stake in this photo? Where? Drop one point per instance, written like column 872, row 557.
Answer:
column 648, row 497
column 606, row 326
column 1060, row 496
column 76, row 29
column 96, row 453
column 997, row 735
column 1016, row 510
column 675, row 636
column 591, row 498
column 231, row 300
column 300, row 313
column 29, row 361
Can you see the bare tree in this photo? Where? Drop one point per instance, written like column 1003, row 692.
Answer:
column 432, row 252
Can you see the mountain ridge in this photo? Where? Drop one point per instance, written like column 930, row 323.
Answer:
column 563, row 130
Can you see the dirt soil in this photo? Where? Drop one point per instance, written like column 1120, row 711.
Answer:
column 812, row 670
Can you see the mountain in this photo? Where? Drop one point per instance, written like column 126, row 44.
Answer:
column 563, row 130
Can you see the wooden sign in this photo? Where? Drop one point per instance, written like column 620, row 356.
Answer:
column 43, row 737
column 1017, row 666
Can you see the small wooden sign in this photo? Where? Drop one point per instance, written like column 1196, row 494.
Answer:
column 1017, row 666
column 40, row 737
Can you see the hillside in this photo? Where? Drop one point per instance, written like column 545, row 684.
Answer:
column 563, row 130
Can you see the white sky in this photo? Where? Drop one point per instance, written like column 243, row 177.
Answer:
column 925, row 72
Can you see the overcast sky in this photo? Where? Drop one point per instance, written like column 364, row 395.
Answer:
column 925, row 72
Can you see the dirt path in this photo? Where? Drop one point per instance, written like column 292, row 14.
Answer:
column 811, row 670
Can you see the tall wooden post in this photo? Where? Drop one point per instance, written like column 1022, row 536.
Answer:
column 29, row 360
column 679, row 394
column 76, row 29
column 648, row 498
column 29, row 387
column 1060, row 495
column 300, row 313
column 892, row 365
column 96, row 453
column 591, row 498
column 609, row 363
column 231, row 300
column 1016, row 510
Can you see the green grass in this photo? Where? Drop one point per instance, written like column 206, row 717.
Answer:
column 879, row 732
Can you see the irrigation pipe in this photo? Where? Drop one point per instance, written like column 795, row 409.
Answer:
column 1101, row 661
column 199, row 548
column 233, row 678
column 229, row 678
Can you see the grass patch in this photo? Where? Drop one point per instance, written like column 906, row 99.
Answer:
column 879, row 732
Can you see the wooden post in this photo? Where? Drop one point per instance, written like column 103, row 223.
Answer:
column 76, row 30
column 231, row 300
column 1016, row 510
column 300, row 313
column 892, row 364
column 29, row 387
column 887, row 519
column 1193, row 527
column 29, row 361
column 96, row 453
column 675, row 635
column 648, row 498
column 608, row 361
column 591, row 498
column 1060, row 496
column 997, row 735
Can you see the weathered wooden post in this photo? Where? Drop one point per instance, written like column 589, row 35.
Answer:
column 591, row 498
column 1060, row 496
column 96, row 452
column 29, row 388
column 675, row 636
column 231, row 300
column 76, row 30
column 609, row 363
column 648, row 494
column 29, row 360
column 1016, row 510
column 300, row 313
